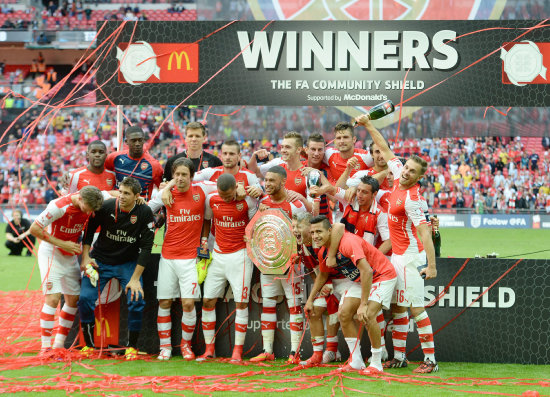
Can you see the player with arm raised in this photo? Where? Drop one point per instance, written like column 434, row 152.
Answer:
column 59, row 227
column 186, row 230
column 411, row 245
column 230, row 261
column 121, row 252
column 344, row 157
column 274, row 286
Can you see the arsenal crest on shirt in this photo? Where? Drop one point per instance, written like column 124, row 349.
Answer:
column 240, row 206
column 196, row 197
column 144, row 166
column 398, row 202
column 205, row 164
column 133, row 219
column 297, row 181
column 109, row 182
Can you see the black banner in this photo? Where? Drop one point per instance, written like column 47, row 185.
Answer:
column 508, row 324
column 333, row 63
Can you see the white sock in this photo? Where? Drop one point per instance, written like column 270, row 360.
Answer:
column 269, row 323
column 164, row 328
column 66, row 319
column 356, row 360
column 296, row 326
column 209, row 325
column 376, row 359
column 47, row 322
column 318, row 342
column 188, row 321
column 241, row 324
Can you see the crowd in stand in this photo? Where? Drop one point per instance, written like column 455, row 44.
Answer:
column 484, row 174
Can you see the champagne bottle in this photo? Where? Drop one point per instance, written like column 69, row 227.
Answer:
column 380, row 110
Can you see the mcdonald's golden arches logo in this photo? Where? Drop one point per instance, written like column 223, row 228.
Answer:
column 178, row 63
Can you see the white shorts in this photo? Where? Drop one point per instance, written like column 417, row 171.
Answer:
column 409, row 289
column 59, row 273
column 281, row 284
column 178, row 278
column 382, row 292
column 345, row 288
column 320, row 301
column 236, row 268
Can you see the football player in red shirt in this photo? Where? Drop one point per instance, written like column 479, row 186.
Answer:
column 94, row 173
column 367, row 288
column 412, row 248
column 231, row 159
column 60, row 227
column 326, row 302
column 186, row 230
column 274, row 286
column 290, row 160
column 230, row 261
column 345, row 154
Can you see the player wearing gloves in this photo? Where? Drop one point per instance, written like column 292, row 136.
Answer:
column 121, row 251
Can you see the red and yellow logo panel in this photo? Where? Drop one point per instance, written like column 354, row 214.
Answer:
column 146, row 63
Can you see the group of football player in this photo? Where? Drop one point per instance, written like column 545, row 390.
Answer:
column 361, row 226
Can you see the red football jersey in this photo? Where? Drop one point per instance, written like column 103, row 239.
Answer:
column 212, row 174
column 63, row 220
column 83, row 177
column 337, row 164
column 229, row 221
column 370, row 172
column 352, row 248
column 295, row 181
column 290, row 208
column 184, row 220
column 405, row 213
